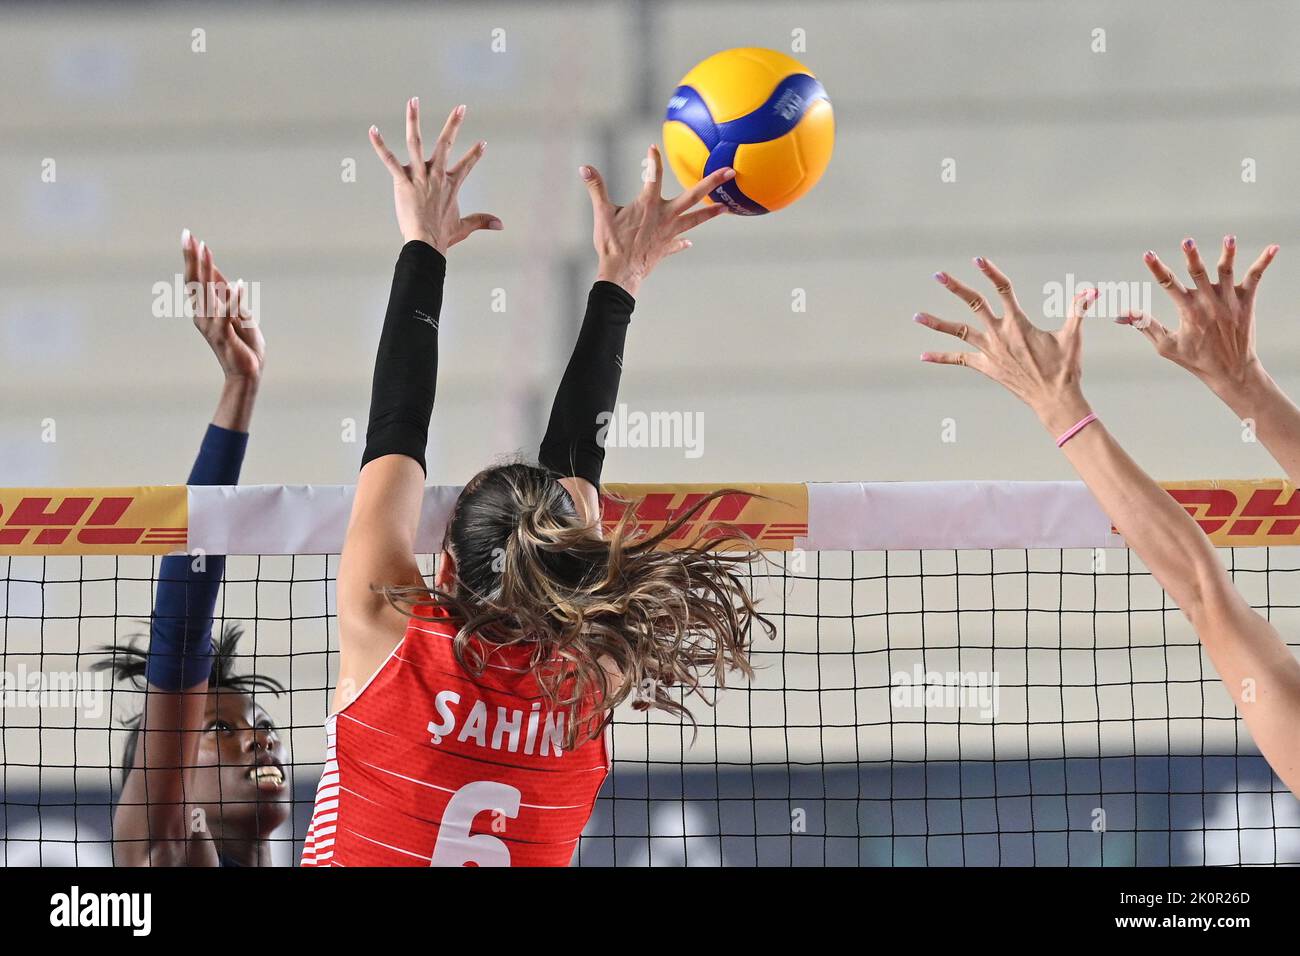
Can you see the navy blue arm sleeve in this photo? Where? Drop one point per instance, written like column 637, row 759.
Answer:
column 406, row 365
column 588, row 391
column 180, row 631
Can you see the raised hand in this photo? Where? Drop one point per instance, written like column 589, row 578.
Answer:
column 1215, row 337
column 631, row 240
column 221, row 313
column 426, row 191
column 1043, row 369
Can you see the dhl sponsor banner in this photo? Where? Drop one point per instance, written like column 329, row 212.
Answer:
column 948, row 515
column 832, row 516
column 775, row 516
column 312, row 519
column 295, row 519
column 1239, row 514
column 47, row 521
column 871, row 516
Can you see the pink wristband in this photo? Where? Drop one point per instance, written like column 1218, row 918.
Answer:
column 1075, row 429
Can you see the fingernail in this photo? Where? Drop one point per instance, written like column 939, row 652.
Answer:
column 729, row 174
column 374, row 131
column 495, row 224
column 1189, row 244
column 185, row 238
column 918, row 318
column 482, row 145
column 1274, row 250
column 1230, row 241
column 979, row 261
column 460, row 110
column 584, row 172
column 1149, row 256
column 925, row 356
column 203, row 248
column 941, row 278
column 687, row 243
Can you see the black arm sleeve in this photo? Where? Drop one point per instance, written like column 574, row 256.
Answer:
column 406, row 366
column 589, row 387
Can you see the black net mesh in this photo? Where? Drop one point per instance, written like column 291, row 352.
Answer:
column 1002, row 707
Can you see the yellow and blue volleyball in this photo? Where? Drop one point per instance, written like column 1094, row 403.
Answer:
column 758, row 111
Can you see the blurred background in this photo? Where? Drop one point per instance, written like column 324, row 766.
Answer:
column 1060, row 140
column 1068, row 162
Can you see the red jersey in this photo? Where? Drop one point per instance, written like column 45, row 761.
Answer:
column 430, row 767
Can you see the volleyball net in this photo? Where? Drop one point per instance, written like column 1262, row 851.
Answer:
column 964, row 673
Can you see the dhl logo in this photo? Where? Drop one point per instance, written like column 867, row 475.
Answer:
column 772, row 515
column 92, row 521
column 1242, row 513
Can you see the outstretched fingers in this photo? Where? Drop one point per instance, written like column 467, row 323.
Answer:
column 1000, row 282
column 215, row 296
column 1168, row 281
column 241, row 315
column 701, row 189
column 1256, row 271
column 595, row 183
column 414, row 144
column 468, row 161
column 960, row 330
column 1196, row 266
column 690, row 220
column 480, row 220
column 446, row 139
column 204, row 278
column 1078, row 309
column 1226, row 260
column 969, row 359
column 974, row 300
column 189, row 252
column 386, row 155
column 654, row 174
column 1148, row 325
column 222, row 293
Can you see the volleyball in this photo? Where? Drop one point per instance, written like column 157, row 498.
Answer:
column 762, row 113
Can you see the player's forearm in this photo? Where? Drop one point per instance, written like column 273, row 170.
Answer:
column 1262, row 676
column 235, row 407
column 185, row 601
column 1257, row 668
column 1261, row 404
column 406, row 364
column 1153, row 524
column 150, row 815
column 588, row 392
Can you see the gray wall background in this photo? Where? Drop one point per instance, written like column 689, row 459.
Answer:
column 1068, row 161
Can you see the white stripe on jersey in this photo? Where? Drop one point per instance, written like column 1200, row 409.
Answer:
column 434, row 786
column 368, row 726
column 318, row 849
column 395, row 849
